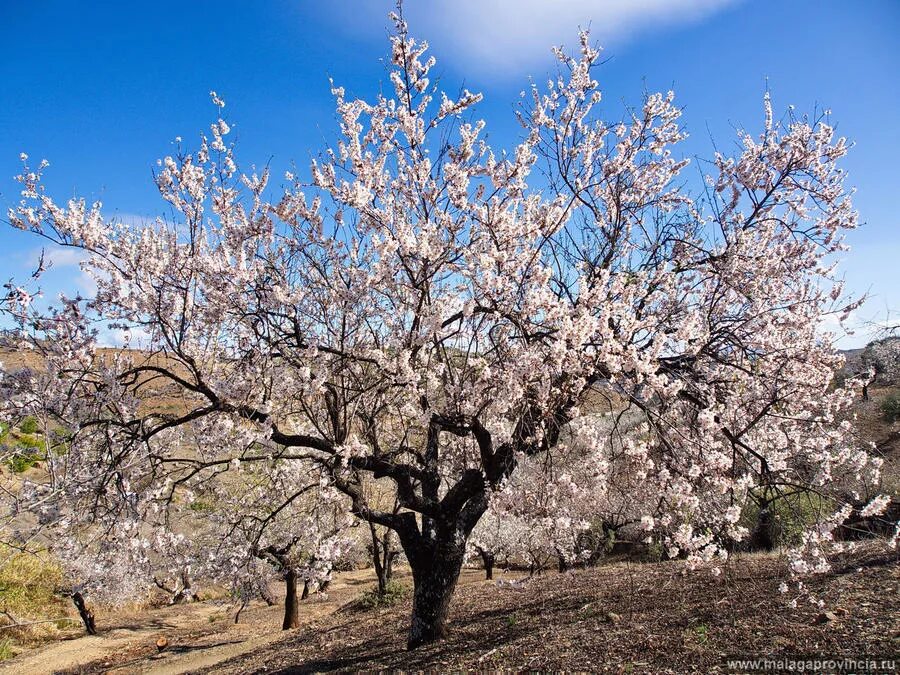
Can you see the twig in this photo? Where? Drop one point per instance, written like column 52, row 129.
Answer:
column 31, row 623
column 486, row 654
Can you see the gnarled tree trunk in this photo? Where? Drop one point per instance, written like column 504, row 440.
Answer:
column 762, row 538
column 265, row 592
column 487, row 559
column 435, row 540
column 186, row 592
column 435, row 571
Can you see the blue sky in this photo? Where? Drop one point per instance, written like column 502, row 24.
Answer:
column 101, row 89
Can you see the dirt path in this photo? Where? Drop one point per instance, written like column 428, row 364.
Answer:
column 199, row 635
column 126, row 631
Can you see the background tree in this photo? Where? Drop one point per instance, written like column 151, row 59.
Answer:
column 882, row 357
column 278, row 512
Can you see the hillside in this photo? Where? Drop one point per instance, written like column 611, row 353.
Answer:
column 620, row 617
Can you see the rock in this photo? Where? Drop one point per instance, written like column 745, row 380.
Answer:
column 612, row 617
column 826, row 617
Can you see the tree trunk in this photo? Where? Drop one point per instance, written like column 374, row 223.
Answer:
column 266, row 594
column 376, row 560
column 763, row 536
column 185, row 593
column 87, row 616
column 187, row 586
column 305, row 594
column 382, row 558
column 387, row 558
column 291, row 604
column 389, row 567
column 434, row 579
column 487, row 559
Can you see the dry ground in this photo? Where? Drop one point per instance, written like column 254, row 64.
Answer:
column 199, row 635
column 625, row 617
column 619, row 618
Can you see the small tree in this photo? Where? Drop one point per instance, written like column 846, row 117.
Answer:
column 383, row 555
column 280, row 513
column 883, row 357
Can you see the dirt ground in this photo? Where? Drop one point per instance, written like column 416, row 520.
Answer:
column 623, row 618
column 199, row 635
column 620, row 618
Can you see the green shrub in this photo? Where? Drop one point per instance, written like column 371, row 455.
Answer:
column 31, row 442
column 701, row 633
column 201, row 506
column 6, row 650
column 22, row 460
column 890, row 408
column 29, row 425
column 656, row 552
column 25, row 444
column 394, row 592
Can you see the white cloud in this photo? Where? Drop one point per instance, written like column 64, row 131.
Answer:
column 509, row 37
column 133, row 338
column 56, row 256
column 63, row 271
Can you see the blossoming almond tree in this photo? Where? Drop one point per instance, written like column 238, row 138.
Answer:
column 427, row 311
column 283, row 514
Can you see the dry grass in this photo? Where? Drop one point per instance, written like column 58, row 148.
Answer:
column 28, row 585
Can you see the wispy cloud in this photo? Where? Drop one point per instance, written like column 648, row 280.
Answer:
column 57, row 256
column 860, row 327
column 64, row 271
column 510, row 37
